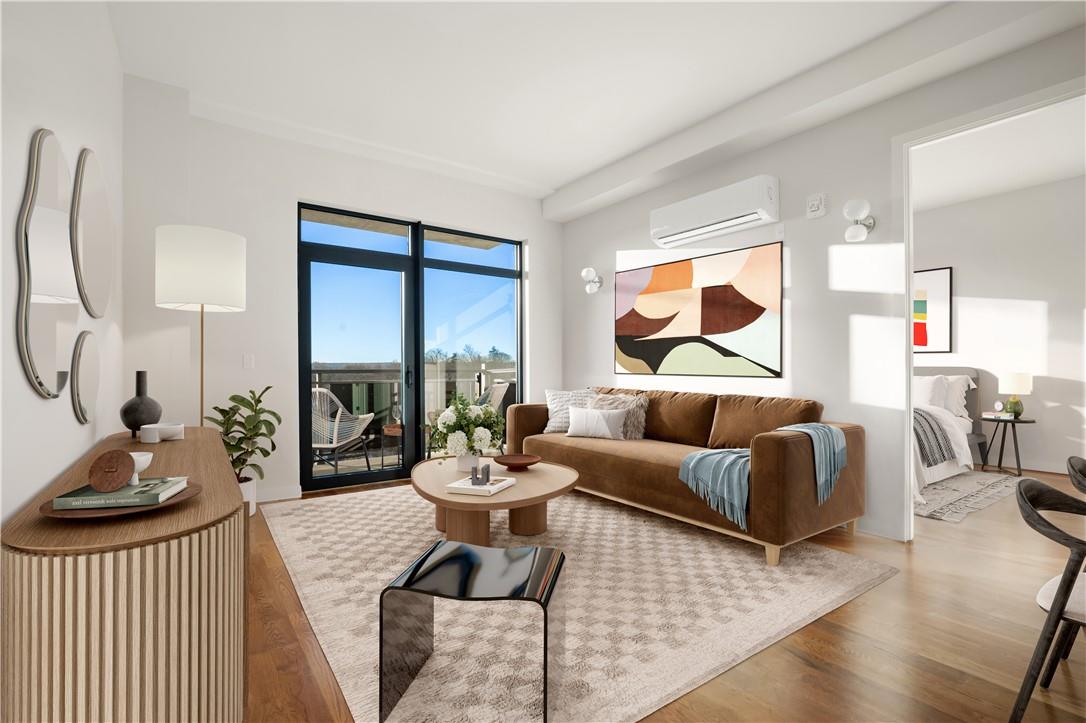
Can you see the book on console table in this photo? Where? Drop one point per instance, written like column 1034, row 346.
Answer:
column 465, row 487
column 150, row 491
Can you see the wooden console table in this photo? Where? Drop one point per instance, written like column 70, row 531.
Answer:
column 131, row 618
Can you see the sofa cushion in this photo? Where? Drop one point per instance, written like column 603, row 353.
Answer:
column 643, row 472
column 739, row 418
column 679, row 417
column 629, row 460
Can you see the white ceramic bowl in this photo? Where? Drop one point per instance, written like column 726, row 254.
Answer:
column 142, row 460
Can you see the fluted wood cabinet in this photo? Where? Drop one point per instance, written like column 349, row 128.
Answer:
column 130, row 618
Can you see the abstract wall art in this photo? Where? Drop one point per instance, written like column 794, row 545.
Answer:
column 932, row 310
column 717, row 315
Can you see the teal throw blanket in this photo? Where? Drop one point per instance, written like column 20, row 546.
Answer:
column 721, row 477
column 830, row 454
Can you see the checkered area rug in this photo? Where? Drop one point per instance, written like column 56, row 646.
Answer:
column 653, row 607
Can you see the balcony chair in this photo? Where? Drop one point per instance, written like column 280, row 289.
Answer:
column 335, row 430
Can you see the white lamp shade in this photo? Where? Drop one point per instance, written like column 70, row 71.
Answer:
column 856, row 209
column 855, row 233
column 198, row 266
column 1016, row 383
column 588, row 273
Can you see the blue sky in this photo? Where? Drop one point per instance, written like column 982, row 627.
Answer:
column 356, row 311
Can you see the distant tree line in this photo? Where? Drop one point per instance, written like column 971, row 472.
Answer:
column 467, row 354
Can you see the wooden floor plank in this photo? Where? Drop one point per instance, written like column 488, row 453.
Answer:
column 946, row 639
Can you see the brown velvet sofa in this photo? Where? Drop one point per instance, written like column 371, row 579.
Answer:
column 783, row 504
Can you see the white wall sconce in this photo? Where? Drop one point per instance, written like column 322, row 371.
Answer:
column 858, row 211
column 592, row 280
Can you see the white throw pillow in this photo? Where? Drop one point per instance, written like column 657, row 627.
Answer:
column 929, row 391
column 599, row 423
column 956, row 387
column 558, row 404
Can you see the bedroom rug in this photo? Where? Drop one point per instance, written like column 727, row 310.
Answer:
column 953, row 498
column 654, row 607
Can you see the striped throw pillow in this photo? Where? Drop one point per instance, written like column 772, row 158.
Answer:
column 558, row 404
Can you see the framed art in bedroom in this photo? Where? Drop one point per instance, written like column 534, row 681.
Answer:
column 933, row 310
column 714, row 315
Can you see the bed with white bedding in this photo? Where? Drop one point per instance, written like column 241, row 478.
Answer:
column 958, row 417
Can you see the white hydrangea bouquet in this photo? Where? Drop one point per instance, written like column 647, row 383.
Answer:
column 466, row 431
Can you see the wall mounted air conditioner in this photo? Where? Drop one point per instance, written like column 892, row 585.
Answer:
column 743, row 205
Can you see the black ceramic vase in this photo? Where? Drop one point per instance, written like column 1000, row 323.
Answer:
column 140, row 409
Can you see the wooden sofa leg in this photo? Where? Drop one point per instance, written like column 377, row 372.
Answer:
column 850, row 527
column 772, row 555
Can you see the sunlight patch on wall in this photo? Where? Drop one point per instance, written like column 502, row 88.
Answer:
column 876, row 361
column 868, row 268
column 1012, row 334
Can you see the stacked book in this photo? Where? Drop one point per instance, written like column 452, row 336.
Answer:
column 998, row 415
column 150, row 491
column 491, row 486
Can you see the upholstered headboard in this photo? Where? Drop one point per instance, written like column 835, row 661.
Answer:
column 972, row 397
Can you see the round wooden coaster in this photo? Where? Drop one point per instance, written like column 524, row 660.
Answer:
column 111, row 470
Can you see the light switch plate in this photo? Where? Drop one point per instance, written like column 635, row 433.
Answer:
column 248, row 361
column 816, row 205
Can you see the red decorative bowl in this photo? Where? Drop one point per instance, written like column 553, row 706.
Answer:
column 517, row 462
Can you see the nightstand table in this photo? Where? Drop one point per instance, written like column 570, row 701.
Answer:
column 1004, row 423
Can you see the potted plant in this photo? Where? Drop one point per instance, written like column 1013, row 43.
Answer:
column 246, row 428
column 467, row 430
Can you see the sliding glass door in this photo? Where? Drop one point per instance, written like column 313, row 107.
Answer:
column 380, row 299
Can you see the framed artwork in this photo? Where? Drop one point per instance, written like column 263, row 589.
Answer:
column 717, row 315
column 933, row 311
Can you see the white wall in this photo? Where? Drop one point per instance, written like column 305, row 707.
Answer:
column 1019, row 297
column 844, row 304
column 183, row 169
column 60, row 71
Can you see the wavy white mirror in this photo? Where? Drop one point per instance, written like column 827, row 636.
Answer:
column 93, row 235
column 86, row 371
column 48, row 306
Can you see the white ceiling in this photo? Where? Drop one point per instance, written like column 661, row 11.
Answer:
column 524, row 96
column 1026, row 150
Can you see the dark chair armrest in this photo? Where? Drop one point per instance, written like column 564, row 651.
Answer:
column 523, row 420
column 783, row 496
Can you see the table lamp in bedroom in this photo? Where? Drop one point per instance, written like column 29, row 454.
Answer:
column 1015, row 383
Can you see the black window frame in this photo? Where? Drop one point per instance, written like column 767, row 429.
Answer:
column 413, row 265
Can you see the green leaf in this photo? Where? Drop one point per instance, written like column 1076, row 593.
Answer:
column 242, row 402
column 258, row 469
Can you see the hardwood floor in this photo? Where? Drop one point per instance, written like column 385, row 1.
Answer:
column 947, row 638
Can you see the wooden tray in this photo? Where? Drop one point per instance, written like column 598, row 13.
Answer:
column 47, row 510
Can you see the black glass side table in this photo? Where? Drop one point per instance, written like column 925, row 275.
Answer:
column 461, row 571
column 1004, row 423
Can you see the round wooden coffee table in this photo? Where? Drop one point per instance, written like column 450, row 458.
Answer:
column 466, row 518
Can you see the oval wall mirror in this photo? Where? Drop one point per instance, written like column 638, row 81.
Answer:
column 85, row 375
column 93, row 235
column 48, row 304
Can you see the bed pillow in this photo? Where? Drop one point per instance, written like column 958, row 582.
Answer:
column 558, row 404
column 598, row 423
column 956, row 387
column 635, row 406
column 929, row 391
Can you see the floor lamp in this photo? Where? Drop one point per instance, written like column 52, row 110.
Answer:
column 199, row 269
